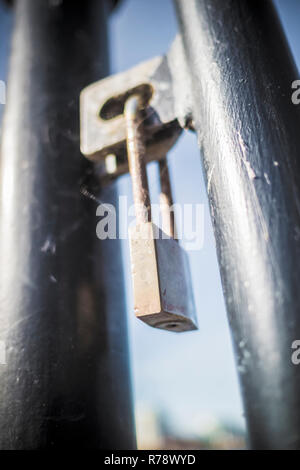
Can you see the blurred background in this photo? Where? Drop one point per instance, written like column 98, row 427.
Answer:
column 185, row 385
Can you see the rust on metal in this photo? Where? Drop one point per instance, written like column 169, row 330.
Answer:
column 166, row 199
column 136, row 159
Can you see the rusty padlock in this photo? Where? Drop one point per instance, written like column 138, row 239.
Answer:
column 162, row 291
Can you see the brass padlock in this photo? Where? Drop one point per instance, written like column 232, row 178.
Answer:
column 162, row 291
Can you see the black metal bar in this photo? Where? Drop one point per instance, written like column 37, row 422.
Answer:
column 62, row 319
column 249, row 132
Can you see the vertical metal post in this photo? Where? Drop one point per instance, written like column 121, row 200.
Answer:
column 65, row 380
column 249, row 131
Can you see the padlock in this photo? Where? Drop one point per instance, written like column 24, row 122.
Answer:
column 162, row 291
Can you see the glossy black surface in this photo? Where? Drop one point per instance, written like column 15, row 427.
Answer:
column 249, row 132
column 62, row 304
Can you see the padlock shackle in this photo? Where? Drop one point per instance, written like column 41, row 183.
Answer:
column 166, row 199
column 136, row 159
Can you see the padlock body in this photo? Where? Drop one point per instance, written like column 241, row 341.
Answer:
column 163, row 296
